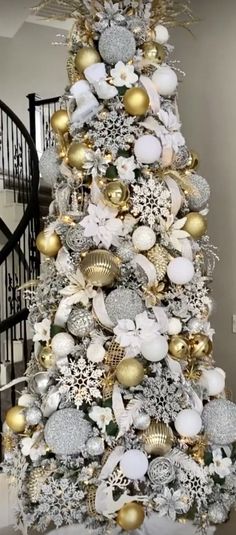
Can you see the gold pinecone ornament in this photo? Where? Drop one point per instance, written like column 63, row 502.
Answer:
column 160, row 258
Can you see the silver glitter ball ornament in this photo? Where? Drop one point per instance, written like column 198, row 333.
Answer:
column 49, row 166
column 219, row 421
column 117, row 44
column 198, row 199
column 76, row 241
column 125, row 251
column 217, row 513
column 141, row 421
column 161, row 471
column 66, row 432
column 123, row 303
column 95, row 446
column 80, row 322
column 33, row 415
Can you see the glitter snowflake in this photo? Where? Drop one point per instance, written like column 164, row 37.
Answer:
column 151, row 200
column 198, row 489
column 114, row 131
column 80, row 381
column 189, row 300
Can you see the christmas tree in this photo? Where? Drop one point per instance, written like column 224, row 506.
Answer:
column 125, row 417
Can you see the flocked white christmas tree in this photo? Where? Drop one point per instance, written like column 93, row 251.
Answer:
column 125, row 418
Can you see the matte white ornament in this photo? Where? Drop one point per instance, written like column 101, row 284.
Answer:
column 188, row 423
column 147, row 149
column 144, row 238
column 165, row 81
column 156, row 349
column 162, row 34
column 174, row 326
column 213, row 381
column 62, row 344
column 134, row 464
column 180, row 270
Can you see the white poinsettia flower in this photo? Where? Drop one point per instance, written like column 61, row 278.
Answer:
column 95, row 164
column 220, row 465
column 78, row 291
column 123, row 75
column 33, row 447
column 42, row 331
column 172, row 232
column 170, row 132
column 171, row 503
column 131, row 334
column 102, row 225
column 102, row 416
column 126, row 168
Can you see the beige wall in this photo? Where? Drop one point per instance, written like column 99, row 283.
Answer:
column 30, row 64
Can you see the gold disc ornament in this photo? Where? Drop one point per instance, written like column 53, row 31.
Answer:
column 48, row 244
column 154, row 52
column 100, row 267
column 116, row 194
column 158, row 439
column 200, row 346
column 15, row 419
column 196, row 225
column 60, row 122
column 76, row 155
column 86, row 57
column 131, row 516
column 130, row 372
column 47, row 358
column 178, row 347
column 136, row 101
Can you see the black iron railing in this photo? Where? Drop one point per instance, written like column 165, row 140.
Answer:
column 40, row 113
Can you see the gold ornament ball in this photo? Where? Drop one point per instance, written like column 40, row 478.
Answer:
column 178, row 347
column 130, row 372
column 158, row 439
column 76, row 155
column 60, row 122
column 200, row 346
column 193, row 161
column 15, row 419
column 85, row 57
column 48, row 244
column 131, row 516
column 136, row 101
column 154, row 52
column 196, row 225
column 116, row 194
column 47, row 358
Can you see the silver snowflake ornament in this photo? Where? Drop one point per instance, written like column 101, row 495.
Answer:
column 151, row 201
column 113, row 131
column 80, row 382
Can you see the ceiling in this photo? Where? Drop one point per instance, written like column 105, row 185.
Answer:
column 13, row 13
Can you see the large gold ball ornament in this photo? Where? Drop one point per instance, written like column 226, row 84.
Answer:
column 158, row 439
column 131, row 516
column 136, row 101
column 100, row 267
column 86, row 57
column 178, row 347
column 196, row 225
column 116, row 194
column 200, row 346
column 154, row 52
column 48, row 244
column 130, row 372
column 60, row 122
column 193, row 161
column 76, row 155
column 15, row 419
column 47, row 358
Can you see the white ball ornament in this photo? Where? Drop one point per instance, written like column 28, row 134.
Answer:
column 162, row 34
column 213, row 381
column 147, row 149
column 180, row 270
column 62, row 344
column 141, row 421
column 144, row 238
column 156, row 349
column 165, row 81
column 174, row 326
column 188, row 423
column 134, row 464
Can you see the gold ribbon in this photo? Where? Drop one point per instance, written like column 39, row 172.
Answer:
column 182, row 179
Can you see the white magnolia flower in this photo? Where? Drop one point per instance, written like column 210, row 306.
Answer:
column 171, row 503
column 102, row 225
column 42, row 331
column 78, row 291
column 172, row 232
column 34, row 446
column 123, row 75
column 95, row 164
column 126, row 168
column 221, row 465
column 102, row 416
column 130, row 334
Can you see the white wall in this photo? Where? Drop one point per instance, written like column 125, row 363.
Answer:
column 30, row 64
